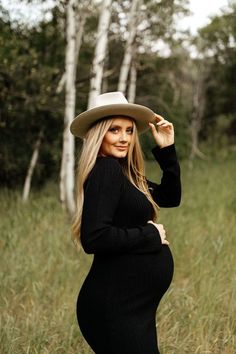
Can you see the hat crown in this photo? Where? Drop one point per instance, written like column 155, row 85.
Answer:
column 111, row 104
column 109, row 98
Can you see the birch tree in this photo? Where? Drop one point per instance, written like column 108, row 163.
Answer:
column 67, row 162
column 129, row 48
column 80, row 22
column 197, row 114
column 32, row 165
column 132, row 83
column 100, row 51
column 148, row 22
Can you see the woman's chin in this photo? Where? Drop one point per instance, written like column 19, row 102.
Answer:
column 119, row 154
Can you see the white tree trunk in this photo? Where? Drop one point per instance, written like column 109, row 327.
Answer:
column 100, row 52
column 197, row 117
column 67, row 163
column 132, row 83
column 79, row 34
column 33, row 162
column 61, row 83
column 132, row 30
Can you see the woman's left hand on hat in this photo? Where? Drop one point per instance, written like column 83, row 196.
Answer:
column 163, row 131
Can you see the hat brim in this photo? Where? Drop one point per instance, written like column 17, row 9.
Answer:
column 142, row 115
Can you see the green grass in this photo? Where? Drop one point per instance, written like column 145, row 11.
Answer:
column 41, row 272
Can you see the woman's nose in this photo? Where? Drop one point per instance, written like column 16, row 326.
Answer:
column 123, row 137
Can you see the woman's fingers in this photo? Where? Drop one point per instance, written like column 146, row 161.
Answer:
column 164, row 123
column 162, row 232
column 153, row 127
column 165, row 242
column 161, row 124
column 160, row 121
column 158, row 117
column 163, row 132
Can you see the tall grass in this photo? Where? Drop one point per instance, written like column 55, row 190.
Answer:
column 41, row 272
column 198, row 314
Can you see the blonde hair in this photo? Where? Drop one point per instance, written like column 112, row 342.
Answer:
column 133, row 168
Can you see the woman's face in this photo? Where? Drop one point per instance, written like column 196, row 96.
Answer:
column 117, row 139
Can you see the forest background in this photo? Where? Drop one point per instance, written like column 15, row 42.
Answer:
column 195, row 92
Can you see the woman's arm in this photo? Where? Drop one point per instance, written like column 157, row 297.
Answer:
column 101, row 198
column 168, row 193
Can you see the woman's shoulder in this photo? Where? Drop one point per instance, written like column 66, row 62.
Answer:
column 107, row 161
column 106, row 166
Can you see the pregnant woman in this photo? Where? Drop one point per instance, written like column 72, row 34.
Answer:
column 117, row 210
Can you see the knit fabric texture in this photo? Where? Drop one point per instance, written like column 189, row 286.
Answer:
column 131, row 268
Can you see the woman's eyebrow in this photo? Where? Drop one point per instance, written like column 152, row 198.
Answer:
column 118, row 126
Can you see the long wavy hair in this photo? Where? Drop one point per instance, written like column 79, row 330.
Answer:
column 132, row 166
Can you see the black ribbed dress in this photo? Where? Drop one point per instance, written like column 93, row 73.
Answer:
column 131, row 269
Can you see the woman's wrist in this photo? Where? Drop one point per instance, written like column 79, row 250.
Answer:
column 163, row 146
column 165, row 156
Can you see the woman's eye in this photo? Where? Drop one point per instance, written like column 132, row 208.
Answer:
column 116, row 130
column 113, row 130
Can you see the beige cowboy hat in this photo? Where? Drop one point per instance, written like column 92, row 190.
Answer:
column 112, row 104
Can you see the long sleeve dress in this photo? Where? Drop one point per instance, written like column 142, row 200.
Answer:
column 131, row 268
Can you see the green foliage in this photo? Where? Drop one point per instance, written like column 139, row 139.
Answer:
column 218, row 44
column 168, row 93
column 33, row 63
column 31, row 68
column 41, row 272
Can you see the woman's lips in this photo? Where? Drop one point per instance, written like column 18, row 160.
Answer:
column 122, row 147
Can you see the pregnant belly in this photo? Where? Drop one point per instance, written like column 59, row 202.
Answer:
column 126, row 278
column 144, row 273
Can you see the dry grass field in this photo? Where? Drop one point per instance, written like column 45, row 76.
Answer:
column 41, row 272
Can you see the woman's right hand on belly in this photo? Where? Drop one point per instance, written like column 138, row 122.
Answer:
column 162, row 232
